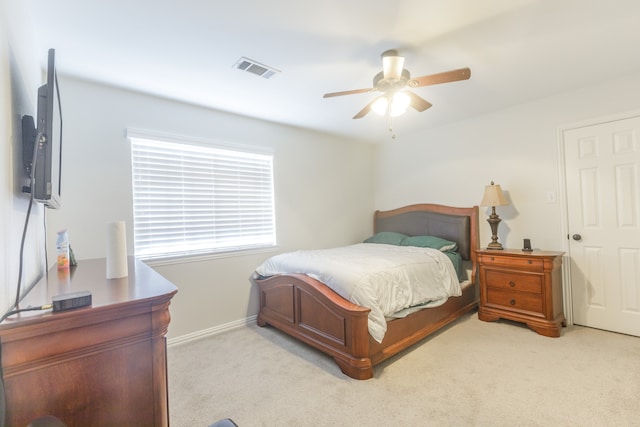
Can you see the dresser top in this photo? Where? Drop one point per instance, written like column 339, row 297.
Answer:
column 518, row 252
column 142, row 284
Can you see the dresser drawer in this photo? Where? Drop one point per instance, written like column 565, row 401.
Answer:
column 514, row 282
column 515, row 300
column 530, row 264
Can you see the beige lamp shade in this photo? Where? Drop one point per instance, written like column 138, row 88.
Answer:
column 493, row 196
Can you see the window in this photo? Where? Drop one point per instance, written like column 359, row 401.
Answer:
column 192, row 199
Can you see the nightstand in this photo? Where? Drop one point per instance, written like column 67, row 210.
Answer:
column 522, row 286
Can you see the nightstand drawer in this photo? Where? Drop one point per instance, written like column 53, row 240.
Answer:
column 530, row 264
column 515, row 300
column 514, row 282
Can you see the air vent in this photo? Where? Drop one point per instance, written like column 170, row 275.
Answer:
column 254, row 67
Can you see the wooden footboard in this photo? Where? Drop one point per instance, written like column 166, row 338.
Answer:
column 311, row 312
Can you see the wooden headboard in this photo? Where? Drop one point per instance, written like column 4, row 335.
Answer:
column 458, row 225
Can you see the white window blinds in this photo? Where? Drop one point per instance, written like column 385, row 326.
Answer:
column 194, row 199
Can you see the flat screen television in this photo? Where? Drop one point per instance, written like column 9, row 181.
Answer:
column 42, row 142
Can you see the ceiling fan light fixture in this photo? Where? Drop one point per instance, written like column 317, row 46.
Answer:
column 399, row 104
column 393, row 104
column 380, row 105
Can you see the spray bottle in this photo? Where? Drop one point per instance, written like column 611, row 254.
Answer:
column 62, row 247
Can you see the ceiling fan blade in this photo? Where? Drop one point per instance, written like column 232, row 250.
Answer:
column 445, row 77
column 365, row 110
column 417, row 102
column 346, row 92
column 392, row 65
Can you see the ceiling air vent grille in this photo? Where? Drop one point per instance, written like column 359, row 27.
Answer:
column 254, row 67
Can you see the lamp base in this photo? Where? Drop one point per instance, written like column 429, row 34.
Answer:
column 493, row 221
column 495, row 246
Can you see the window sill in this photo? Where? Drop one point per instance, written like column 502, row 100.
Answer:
column 189, row 258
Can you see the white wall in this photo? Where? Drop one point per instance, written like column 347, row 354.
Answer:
column 20, row 77
column 516, row 147
column 323, row 189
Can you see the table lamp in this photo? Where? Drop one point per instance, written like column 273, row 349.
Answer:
column 493, row 197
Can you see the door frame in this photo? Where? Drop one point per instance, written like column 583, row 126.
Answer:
column 564, row 208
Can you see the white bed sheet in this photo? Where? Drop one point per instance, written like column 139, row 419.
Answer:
column 385, row 278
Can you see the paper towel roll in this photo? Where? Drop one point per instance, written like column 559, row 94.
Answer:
column 116, row 250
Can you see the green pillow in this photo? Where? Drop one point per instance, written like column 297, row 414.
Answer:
column 456, row 259
column 387, row 238
column 430, row 242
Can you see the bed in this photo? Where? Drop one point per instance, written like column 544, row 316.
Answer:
column 310, row 311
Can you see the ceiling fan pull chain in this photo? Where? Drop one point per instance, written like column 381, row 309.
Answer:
column 393, row 135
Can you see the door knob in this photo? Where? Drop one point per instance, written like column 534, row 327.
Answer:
column 577, row 237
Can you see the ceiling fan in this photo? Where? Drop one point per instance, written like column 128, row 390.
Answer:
column 393, row 82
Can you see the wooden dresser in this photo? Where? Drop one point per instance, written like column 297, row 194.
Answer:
column 522, row 286
column 103, row 365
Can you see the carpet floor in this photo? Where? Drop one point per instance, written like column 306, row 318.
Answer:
column 472, row 373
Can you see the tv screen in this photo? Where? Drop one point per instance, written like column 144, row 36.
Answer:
column 47, row 172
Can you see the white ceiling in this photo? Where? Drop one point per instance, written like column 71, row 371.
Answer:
column 518, row 50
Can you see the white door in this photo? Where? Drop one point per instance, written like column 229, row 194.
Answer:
column 602, row 167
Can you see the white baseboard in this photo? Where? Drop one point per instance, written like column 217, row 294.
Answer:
column 210, row 331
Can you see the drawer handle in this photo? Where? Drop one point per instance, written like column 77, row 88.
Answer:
column 512, row 283
column 512, row 302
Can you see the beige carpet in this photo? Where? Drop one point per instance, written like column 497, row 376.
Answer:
column 471, row 374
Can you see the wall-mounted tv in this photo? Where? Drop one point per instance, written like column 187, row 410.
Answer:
column 42, row 142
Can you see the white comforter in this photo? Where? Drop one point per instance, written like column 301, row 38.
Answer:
column 385, row 278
